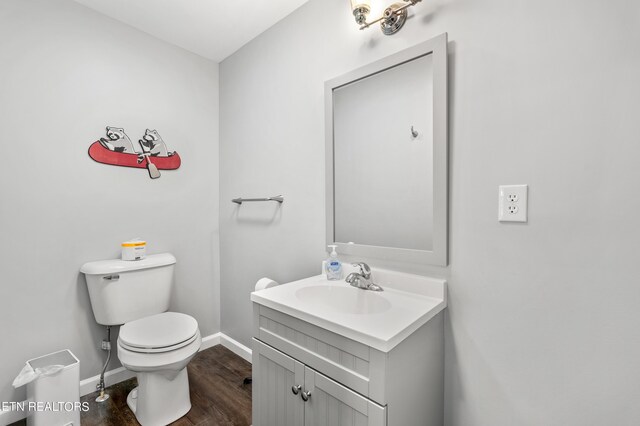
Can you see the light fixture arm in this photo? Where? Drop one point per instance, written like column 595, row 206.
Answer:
column 393, row 17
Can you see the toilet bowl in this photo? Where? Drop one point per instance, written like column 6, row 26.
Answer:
column 158, row 348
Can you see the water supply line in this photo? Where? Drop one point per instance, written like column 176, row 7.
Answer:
column 106, row 346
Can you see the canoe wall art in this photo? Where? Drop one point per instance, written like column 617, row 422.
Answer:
column 118, row 150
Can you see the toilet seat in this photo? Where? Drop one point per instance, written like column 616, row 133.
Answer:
column 144, row 361
column 159, row 333
column 158, row 350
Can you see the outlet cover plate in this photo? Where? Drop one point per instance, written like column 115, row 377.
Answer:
column 512, row 203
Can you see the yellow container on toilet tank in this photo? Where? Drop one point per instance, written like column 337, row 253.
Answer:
column 134, row 250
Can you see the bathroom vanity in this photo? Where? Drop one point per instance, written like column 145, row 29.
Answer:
column 326, row 353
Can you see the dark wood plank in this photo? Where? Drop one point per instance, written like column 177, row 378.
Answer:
column 218, row 395
column 224, row 395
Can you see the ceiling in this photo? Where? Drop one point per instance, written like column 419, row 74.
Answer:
column 211, row 28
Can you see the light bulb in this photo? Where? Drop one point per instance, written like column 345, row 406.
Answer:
column 361, row 9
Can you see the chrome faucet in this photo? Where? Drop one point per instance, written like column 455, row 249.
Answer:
column 363, row 279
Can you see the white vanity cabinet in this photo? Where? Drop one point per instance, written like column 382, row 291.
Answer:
column 292, row 394
column 274, row 403
column 345, row 382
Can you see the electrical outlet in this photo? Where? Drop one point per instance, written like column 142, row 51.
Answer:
column 512, row 203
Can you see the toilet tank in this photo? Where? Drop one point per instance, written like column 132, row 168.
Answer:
column 123, row 291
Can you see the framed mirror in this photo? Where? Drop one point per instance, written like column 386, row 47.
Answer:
column 386, row 157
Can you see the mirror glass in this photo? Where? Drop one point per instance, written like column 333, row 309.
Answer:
column 386, row 140
column 383, row 158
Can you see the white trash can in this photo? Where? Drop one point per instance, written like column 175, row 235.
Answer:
column 55, row 400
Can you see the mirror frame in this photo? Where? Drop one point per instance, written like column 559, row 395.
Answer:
column 437, row 47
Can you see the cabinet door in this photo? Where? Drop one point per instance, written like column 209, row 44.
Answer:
column 331, row 404
column 274, row 376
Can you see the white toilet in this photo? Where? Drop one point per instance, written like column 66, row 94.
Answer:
column 156, row 344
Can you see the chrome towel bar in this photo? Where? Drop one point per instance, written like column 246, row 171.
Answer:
column 277, row 198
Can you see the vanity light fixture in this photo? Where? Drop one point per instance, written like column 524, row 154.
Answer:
column 392, row 19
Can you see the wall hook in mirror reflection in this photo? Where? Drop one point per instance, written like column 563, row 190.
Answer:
column 414, row 133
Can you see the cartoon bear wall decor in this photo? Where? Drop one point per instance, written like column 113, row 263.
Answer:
column 118, row 150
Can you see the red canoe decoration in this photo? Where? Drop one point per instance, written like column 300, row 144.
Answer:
column 103, row 155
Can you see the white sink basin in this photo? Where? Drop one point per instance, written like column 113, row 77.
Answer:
column 377, row 319
column 348, row 300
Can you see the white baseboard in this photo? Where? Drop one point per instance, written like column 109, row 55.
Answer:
column 210, row 341
column 235, row 347
column 121, row 374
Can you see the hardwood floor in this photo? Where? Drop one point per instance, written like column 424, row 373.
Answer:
column 218, row 395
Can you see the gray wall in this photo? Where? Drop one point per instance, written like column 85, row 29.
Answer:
column 543, row 322
column 66, row 73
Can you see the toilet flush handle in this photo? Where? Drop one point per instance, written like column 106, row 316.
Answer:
column 111, row 277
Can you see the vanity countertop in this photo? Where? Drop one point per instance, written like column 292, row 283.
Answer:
column 377, row 319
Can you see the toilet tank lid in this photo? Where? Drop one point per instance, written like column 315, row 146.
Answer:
column 114, row 266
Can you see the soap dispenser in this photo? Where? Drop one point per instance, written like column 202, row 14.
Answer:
column 333, row 265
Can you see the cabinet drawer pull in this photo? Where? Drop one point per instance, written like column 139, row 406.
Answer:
column 306, row 396
column 295, row 389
